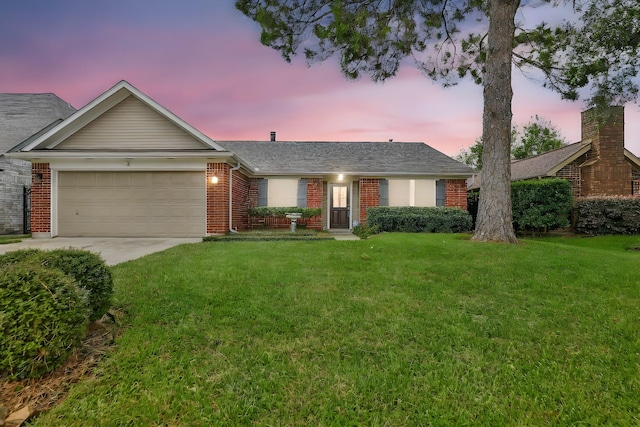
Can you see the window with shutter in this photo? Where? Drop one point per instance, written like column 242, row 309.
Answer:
column 441, row 192
column 302, row 193
column 383, row 192
column 263, row 194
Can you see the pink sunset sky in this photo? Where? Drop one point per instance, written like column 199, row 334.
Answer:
column 203, row 61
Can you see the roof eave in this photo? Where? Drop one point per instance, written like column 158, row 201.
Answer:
column 450, row 175
column 632, row 157
column 553, row 171
column 54, row 154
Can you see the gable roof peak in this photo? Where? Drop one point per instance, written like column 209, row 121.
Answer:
column 104, row 102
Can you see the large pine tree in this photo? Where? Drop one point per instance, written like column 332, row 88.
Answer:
column 597, row 46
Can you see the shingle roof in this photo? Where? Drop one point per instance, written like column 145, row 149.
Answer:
column 543, row 164
column 361, row 158
column 23, row 114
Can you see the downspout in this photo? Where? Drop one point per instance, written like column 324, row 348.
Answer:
column 231, row 230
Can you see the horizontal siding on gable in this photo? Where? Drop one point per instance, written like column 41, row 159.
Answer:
column 131, row 125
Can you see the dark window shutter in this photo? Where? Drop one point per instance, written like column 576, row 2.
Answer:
column 383, row 192
column 263, row 195
column 302, row 193
column 441, row 192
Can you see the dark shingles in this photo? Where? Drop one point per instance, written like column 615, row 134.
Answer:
column 538, row 166
column 542, row 164
column 362, row 158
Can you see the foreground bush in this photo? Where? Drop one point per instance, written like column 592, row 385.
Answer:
column 43, row 316
column 90, row 273
column 419, row 219
column 608, row 215
column 17, row 256
column 86, row 268
column 543, row 204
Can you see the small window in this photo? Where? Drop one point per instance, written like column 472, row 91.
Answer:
column 441, row 192
column 302, row 193
column 263, row 194
column 383, row 194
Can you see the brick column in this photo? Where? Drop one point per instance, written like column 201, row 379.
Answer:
column 314, row 200
column 218, row 198
column 240, row 188
column 40, row 200
column 456, row 193
column 369, row 196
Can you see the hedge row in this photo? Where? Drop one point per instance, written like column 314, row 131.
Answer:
column 608, row 215
column 266, row 211
column 419, row 219
column 46, row 302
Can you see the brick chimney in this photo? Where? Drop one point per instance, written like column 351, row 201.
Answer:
column 605, row 172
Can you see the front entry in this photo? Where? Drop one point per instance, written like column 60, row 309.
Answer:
column 339, row 217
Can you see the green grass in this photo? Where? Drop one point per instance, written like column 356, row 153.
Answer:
column 397, row 330
column 13, row 238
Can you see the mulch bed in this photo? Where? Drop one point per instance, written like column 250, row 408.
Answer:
column 41, row 394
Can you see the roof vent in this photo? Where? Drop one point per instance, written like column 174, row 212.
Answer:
column 273, row 135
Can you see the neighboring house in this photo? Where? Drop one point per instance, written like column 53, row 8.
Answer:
column 124, row 165
column 21, row 115
column 598, row 165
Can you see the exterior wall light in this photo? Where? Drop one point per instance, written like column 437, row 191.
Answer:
column 214, row 179
column 340, row 177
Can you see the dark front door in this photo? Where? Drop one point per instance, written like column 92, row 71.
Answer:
column 339, row 206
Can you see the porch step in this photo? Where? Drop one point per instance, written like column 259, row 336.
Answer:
column 343, row 235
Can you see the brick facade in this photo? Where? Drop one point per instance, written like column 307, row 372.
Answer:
column 40, row 198
column 456, row 193
column 571, row 173
column 369, row 196
column 245, row 195
column 314, row 200
column 635, row 182
column 240, row 189
column 218, row 198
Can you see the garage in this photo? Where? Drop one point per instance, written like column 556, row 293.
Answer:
column 131, row 204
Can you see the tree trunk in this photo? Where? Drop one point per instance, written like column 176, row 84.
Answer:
column 494, row 223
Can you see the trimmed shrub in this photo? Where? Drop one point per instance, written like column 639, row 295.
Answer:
column 86, row 268
column 90, row 273
column 364, row 231
column 419, row 219
column 43, row 316
column 543, row 204
column 266, row 211
column 17, row 256
column 608, row 215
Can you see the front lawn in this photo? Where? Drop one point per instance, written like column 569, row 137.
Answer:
column 397, row 330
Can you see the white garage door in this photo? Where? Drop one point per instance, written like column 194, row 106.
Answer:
column 131, row 204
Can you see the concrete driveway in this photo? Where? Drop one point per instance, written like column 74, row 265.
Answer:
column 112, row 250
